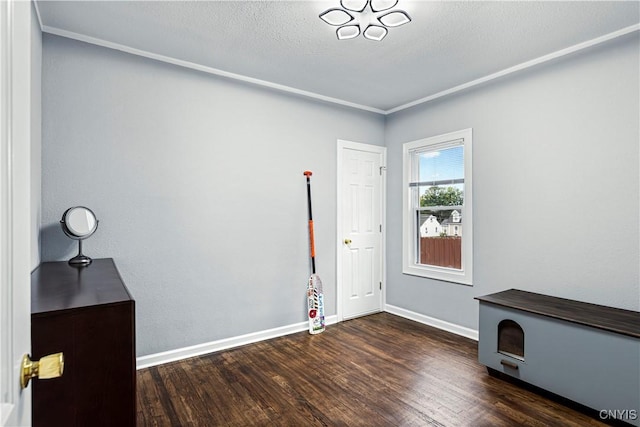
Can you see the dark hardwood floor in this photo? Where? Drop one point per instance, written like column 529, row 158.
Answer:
column 379, row 370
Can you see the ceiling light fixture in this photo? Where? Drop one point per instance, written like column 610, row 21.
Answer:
column 336, row 17
column 394, row 19
column 374, row 16
column 354, row 5
column 348, row 32
column 380, row 5
column 375, row 32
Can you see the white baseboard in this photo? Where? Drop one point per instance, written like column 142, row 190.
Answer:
column 223, row 344
column 432, row 321
column 227, row 343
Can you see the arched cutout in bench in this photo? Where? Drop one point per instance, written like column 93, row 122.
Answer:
column 511, row 339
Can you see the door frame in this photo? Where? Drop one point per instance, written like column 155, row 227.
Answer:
column 382, row 151
column 15, row 207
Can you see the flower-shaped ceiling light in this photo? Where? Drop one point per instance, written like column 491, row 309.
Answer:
column 374, row 16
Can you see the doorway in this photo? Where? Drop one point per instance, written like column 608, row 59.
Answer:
column 360, row 229
column 16, row 133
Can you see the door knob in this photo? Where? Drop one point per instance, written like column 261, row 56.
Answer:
column 50, row 366
column 347, row 241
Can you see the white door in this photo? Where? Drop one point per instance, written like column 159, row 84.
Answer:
column 15, row 253
column 360, row 226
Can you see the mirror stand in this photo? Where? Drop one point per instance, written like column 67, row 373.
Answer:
column 79, row 223
column 80, row 259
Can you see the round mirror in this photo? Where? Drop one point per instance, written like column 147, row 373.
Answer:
column 79, row 223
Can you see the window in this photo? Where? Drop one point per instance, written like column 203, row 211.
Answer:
column 438, row 191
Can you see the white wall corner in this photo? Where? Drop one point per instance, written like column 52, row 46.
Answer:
column 432, row 321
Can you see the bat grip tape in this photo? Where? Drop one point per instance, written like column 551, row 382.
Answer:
column 311, row 239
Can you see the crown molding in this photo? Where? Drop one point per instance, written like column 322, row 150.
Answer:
column 35, row 6
column 206, row 69
column 519, row 67
column 283, row 88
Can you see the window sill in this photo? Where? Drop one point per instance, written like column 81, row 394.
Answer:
column 443, row 274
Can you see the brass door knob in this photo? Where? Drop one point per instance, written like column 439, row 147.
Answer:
column 347, row 241
column 51, row 366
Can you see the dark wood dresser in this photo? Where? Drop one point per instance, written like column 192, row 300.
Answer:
column 88, row 314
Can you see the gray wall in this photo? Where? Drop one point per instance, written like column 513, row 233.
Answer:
column 197, row 183
column 36, row 142
column 556, row 184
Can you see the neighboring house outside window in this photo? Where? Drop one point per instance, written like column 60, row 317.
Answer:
column 452, row 226
column 430, row 227
column 437, row 200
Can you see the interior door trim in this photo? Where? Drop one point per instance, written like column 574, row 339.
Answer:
column 382, row 151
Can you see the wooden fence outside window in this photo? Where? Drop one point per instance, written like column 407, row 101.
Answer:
column 441, row 251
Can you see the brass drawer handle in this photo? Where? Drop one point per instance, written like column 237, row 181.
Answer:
column 508, row 364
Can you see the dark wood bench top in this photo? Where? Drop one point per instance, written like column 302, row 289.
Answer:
column 625, row 322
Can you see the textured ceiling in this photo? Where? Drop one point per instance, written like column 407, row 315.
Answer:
column 447, row 44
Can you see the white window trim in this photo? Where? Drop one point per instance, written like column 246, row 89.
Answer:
column 409, row 266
